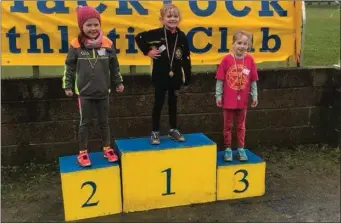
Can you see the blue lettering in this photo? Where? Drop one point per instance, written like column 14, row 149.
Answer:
column 265, row 42
column 100, row 8
column 223, row 36
column 131, row 41
column 267, row 12
column 64, row 39
column 238, row 13
column 34, row 40
column 212, row 5
column 190, row 36
column 59, row 7
column 12, row 39
column 113, row 37
column 19, row 6
column 124, row 10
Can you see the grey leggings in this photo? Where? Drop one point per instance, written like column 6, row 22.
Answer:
column 86, row 107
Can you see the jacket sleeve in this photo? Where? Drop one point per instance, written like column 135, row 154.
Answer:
column 115, row 73
column 187, row 65
column 144, row 39
column 70, row 69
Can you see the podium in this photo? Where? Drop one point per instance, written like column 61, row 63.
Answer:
column 167, row 175
column 238, row 179
column 157, row 176
column 90, row 191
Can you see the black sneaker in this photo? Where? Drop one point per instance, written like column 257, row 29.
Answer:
column 155, row 138
column 176, row 135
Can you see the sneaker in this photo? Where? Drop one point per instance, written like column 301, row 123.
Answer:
column 228, row 155
column 242, row 154
column 84, row 159
column 110, row 155
column 176, row 135
column 155, row 138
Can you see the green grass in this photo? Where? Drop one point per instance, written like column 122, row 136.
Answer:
column 322, row 38
column 321, row 46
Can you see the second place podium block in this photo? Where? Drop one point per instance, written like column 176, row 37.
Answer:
column 92, row 191
column 167, row 175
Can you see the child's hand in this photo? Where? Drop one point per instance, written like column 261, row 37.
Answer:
column 120, row 88
column 254, row 103
column 218, row 102
column 68, row 92
column 154, row 54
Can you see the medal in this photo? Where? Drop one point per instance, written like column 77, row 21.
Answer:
column 94, row 64
column 240, row 76
column 171, row 73
column 101, row 52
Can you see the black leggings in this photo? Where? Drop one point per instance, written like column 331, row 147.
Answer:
column 86, row 108
column 160, row 92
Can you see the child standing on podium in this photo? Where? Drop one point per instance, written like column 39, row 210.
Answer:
column 168, row 47
column 236, row 76
column 93, row 64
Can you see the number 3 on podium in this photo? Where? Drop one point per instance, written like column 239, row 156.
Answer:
column 242, row 180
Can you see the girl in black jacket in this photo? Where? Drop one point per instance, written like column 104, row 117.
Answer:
column 168, row 47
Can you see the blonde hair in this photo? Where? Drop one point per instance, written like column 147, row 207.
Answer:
column 239, row 34
column 168, row 8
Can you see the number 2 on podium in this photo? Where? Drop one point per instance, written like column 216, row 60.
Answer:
column 168, row 181
column 94, row 188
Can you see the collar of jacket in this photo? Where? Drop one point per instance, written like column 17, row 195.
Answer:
column 177, row 29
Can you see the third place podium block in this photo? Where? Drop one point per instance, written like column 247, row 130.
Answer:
column 238, row 179
column 167, row 175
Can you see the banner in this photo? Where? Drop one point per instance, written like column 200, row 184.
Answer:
column 39, row 32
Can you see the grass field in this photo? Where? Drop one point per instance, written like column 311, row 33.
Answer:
column 321, row 46
column 322, row 39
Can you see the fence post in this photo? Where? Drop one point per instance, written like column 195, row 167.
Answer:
column 35, row 71
column 132, row 69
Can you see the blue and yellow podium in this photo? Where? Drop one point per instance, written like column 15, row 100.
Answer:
column 169, row 174
column 240, row 179
column 91, row 191
column 157, row 176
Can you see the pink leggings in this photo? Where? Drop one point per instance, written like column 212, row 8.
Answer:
column 229, row 115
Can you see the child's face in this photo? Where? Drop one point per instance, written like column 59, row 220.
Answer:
column 91, row 28
column 171, row 19
column 241, row 45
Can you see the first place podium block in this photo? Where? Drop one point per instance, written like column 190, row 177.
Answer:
column 167, row 175
column 238, row 179
column 90, row 191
